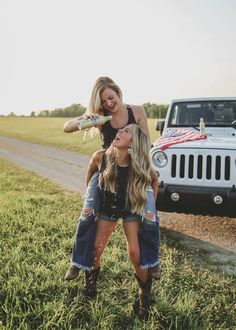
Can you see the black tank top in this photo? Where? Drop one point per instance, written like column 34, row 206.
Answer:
column 108, row 133
column 113, row 204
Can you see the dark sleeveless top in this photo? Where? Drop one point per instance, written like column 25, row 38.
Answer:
column 108, row 133
column 113, row 204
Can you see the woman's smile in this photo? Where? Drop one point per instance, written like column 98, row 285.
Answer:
column 112, row 107
column 110, row 100
column 123, row 137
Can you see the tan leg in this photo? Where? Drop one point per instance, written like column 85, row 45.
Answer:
column 103, row 232
column 131, row 233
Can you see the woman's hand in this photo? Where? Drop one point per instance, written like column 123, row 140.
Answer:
column 89, row 116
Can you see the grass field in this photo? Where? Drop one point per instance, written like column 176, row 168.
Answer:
column 49, row 131
column 38, row 220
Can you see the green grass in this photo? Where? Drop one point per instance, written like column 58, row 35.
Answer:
column 38, row 220
column 49, row 131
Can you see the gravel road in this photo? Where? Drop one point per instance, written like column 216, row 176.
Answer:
column 214, row 235
column 65, row 168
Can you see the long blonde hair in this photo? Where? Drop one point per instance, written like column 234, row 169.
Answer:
column 139, row 170
column 99, row 86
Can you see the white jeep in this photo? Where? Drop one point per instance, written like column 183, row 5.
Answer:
column 200, row 175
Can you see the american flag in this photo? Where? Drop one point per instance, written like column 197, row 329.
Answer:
column 178, row 135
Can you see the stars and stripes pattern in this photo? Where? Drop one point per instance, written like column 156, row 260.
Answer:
column 178, row 135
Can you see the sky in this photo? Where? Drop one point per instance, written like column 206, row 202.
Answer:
column 52, row 51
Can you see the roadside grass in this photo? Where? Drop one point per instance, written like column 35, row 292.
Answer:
column 49, row 131
column 38, row 222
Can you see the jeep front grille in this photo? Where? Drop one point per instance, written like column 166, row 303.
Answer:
column 200, row 167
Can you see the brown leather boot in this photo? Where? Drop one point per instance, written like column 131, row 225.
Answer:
column 141, row 306
column 155, row 272
column 90, row 285
column 72, row 273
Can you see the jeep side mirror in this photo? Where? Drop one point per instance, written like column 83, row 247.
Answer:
column 160, row 125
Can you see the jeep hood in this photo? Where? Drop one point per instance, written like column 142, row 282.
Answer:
column 228, row 143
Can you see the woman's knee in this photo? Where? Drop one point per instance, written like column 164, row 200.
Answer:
column 98, row 248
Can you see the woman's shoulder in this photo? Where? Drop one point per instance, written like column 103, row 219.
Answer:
column 139, row 113
column 97, row 157
column 138, row 110
column 140, row 117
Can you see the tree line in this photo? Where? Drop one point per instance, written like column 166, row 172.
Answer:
column 153, row 110
column 74, row 110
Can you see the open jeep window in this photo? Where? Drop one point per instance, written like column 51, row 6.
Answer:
column 214, row 113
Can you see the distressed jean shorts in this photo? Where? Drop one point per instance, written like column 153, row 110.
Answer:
column 92, row 195
column 126, row 217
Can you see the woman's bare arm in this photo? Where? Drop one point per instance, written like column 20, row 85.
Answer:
column 141, row 118
column 72, row 125
column 94, row 165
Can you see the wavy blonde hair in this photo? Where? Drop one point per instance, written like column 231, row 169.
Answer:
column 94, row 105
column 99, row 86
column 139, row 170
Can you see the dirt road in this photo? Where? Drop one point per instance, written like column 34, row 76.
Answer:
column 62, row 167
column 215, row 237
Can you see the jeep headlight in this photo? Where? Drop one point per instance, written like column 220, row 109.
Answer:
column 160, row 159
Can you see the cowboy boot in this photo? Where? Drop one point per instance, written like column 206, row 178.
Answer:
column 90, row 285
column 136, row 304
column 142, row 311
column 155, row 272
column 72, row 273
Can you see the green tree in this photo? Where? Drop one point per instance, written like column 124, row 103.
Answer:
column 73, row 110
column 154, row 110
column 44, row 113
column 11, row 114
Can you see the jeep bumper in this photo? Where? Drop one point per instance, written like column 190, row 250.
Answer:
column 205, row 200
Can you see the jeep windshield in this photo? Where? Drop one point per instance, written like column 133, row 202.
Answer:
column 214, row 114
